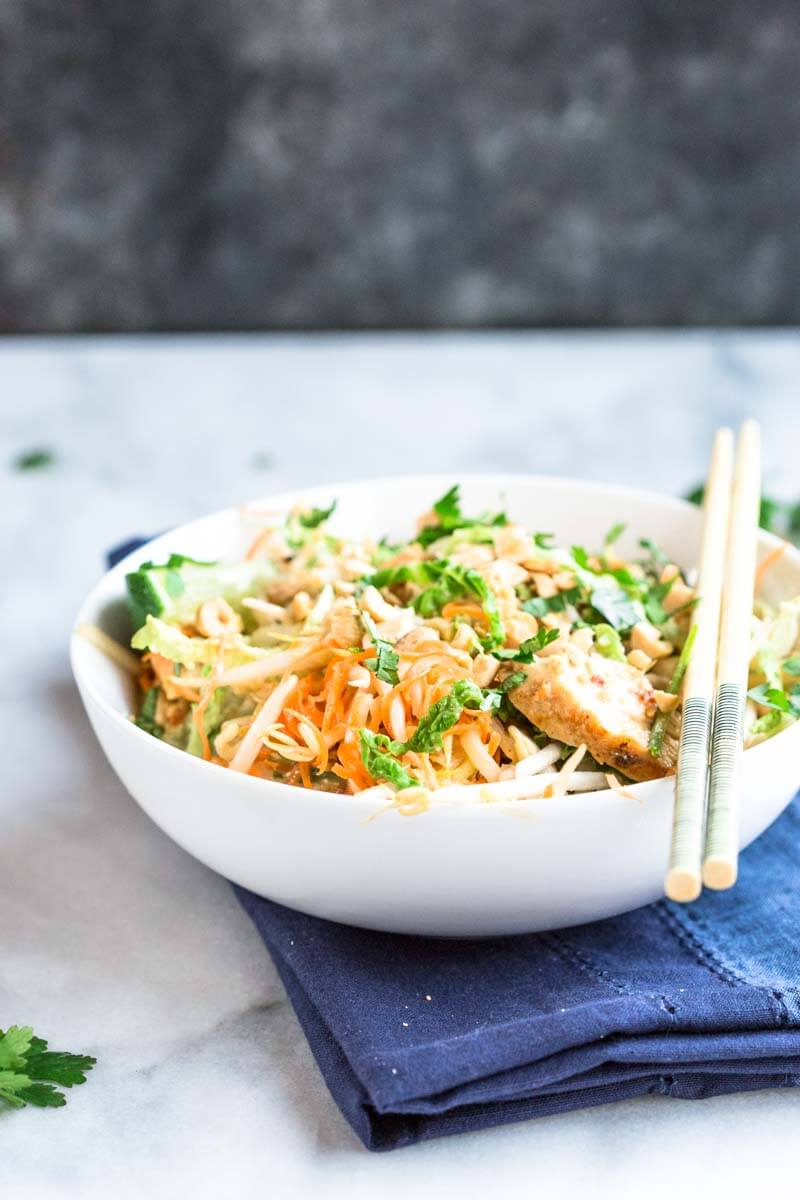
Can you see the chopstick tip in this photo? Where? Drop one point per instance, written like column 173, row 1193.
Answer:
column 719, row 874
column 682, row 885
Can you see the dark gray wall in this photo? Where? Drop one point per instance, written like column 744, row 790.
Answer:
column 220, row 164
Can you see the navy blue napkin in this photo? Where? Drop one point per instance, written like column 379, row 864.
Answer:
column 419, row 1037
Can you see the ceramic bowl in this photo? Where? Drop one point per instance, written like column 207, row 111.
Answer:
column 457, row 869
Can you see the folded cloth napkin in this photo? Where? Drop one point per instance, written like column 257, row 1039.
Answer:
column 419, row 1037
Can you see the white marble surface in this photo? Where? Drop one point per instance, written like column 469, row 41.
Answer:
column 112, row 940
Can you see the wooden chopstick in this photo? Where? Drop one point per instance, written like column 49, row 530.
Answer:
column 683, row 878
column 720, row 865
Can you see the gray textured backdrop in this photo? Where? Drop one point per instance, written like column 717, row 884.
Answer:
column 200, row 164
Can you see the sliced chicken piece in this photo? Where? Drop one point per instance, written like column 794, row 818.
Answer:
column 577, row 697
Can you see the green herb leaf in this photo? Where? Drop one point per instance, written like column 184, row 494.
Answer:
column 620, row 609
column 448, row 508
column 34, row 460
column 657, row 556
column 544, row 541
column 25, row 1065
column 777, row 698
column 384, row 665
column 526, row 651
column 378, row 755
column 654, row 601
column 614, row 533
column 451, row 518
column 791, row 666
column 315, row 517
column 539, row 606
column 448, row 581
column 608, row 642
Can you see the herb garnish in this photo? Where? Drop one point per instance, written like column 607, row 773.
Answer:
column 526, row 651
column 451, row 518
column 34, row 460
column 446, row 582
column 315, row 516
column 32, row 1074
column 384, row 665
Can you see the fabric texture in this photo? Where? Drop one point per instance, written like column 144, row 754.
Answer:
column 420, row 1037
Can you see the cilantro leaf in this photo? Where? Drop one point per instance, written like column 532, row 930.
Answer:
column 14, row 1046
column 315, row 517
column 791, row 666
column 777, row 698
column 378, row 756
column 66, row 1070
column 34, row 460
column 448, row 510
column 614, row 533
column 538, row 606
column 29, row 1071
column 448, row 507
column 526, row 651
column 620, row 610
column 544, row 541
column 443, row 582
column 384, row 665
column 654, row 601
column 657, row 556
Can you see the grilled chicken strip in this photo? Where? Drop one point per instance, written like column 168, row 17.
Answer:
column 577, row 697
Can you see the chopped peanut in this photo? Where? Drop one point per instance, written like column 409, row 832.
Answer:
column 545, row 585
column 300, row 606
column 216, row 618
column 644, row 636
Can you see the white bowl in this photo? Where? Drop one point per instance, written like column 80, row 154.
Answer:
column 458, row 869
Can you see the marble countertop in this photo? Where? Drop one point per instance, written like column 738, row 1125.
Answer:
column 114, row 941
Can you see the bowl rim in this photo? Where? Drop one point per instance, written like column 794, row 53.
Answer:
column 572, row 804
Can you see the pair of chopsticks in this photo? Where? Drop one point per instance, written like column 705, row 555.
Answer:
column 705, row 836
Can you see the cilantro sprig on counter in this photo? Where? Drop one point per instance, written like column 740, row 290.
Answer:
column 32, row 1074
